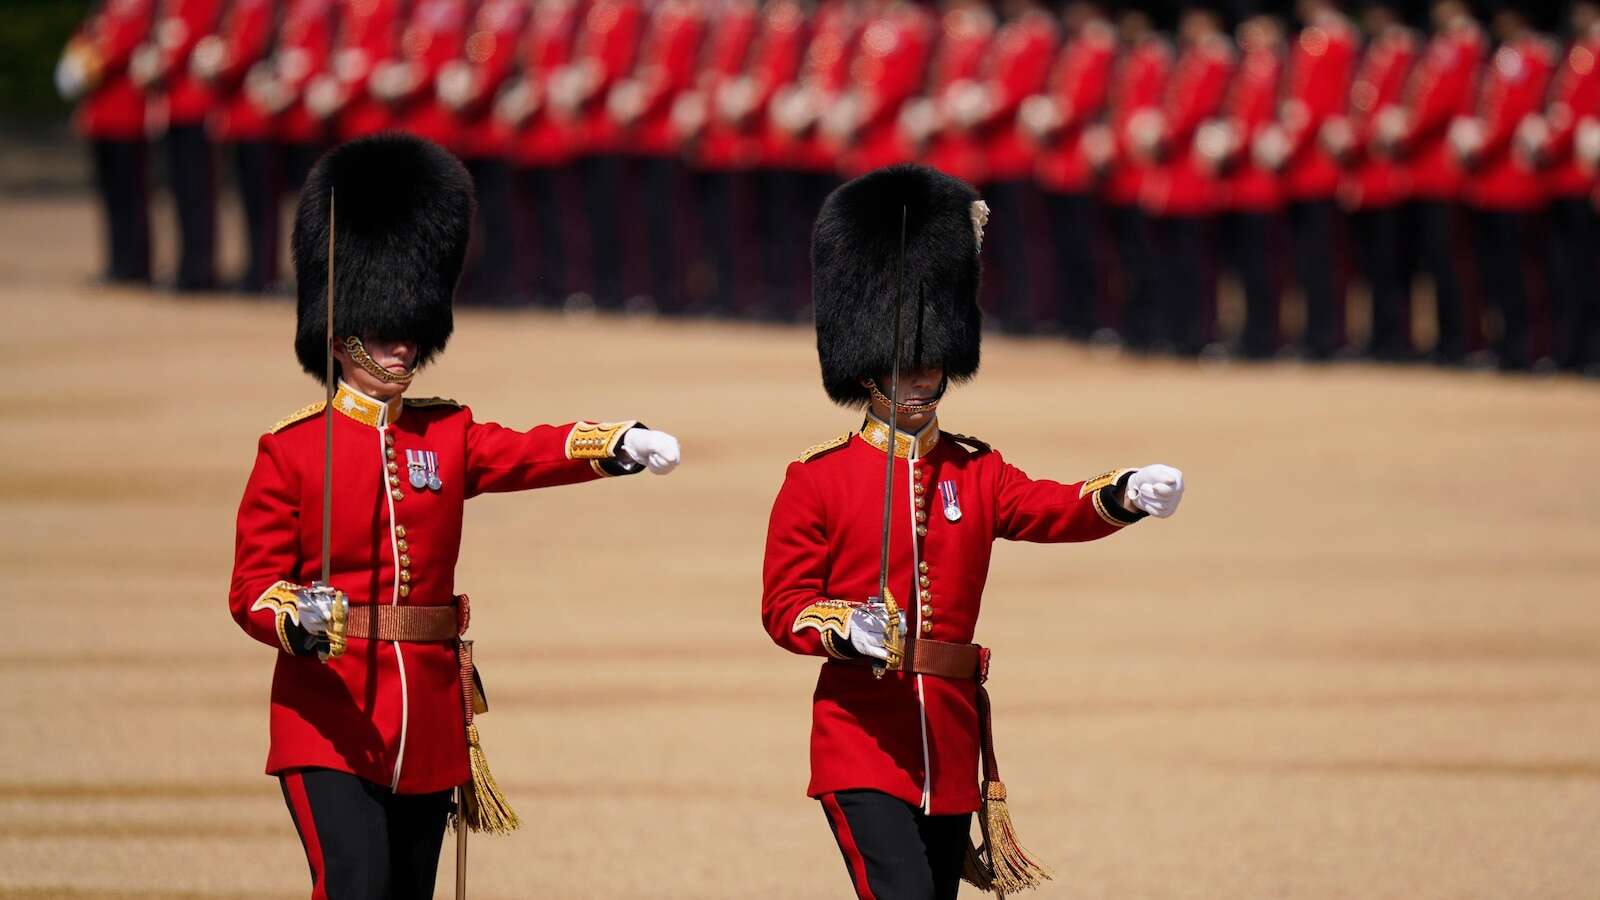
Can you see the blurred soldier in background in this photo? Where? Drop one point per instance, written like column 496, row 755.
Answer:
column 860, row 128
column 222, row 61
column 1137, row 84
column 1247, row 193
column 1373, row 188
column 1178, row 193
column 303, row 50
column 162, row 66
column 537, row 143
column 344, row 96
column 1320, row 66
column 608, row 44
column 1440, row 89
column 466, row 88
column 1054, row 122
column 1503, row 188
column 1548, row 140
column 111, row 116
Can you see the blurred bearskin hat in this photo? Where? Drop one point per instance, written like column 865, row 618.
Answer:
column 855, row 250
column 403, row 211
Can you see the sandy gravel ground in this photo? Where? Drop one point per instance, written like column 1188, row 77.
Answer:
column 1364, row 661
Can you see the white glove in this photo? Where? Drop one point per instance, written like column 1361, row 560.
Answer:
column 72, row 76
column 1155, row 489
column 317, row 607
column 655, row 450
column 867, row 626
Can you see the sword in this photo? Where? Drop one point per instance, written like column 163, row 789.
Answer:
column 327, row 420
column 892, row 638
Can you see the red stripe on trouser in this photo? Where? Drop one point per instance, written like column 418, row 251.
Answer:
column 847, row 844
column 296, row 785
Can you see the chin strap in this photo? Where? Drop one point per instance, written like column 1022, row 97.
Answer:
column 358, row 353
column 907, row 409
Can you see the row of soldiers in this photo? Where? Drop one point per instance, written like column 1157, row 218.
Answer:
column 672, row 153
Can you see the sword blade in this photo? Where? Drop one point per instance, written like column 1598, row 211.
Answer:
column 327, row 417
column 894, row 428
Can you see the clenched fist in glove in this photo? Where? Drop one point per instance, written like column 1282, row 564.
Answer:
column 867, row 626
column 655, row 450
column 322, row 611
column 1156, row 490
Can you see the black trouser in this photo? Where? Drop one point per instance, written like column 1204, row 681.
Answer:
column 1137, row 302
column 1184, row 291
column 122, row 177
column 1574, row 297
column 191, row 173
column 719, row 222
column 776, row 194
column 1010, row 301
column 363, row 842
column 1250, row 252
column 1501, row 275
column 895, row 852
column 1077, row 287
column 256, row 168
column 538, row 211
column 1377, row 243
column 1315, row 253
column 660, row 212
column 602, row 188
column 491, row 275
column 1437, row 220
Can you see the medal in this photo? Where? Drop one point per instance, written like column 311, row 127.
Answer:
column 419, row 469
column 952, row 503
column 432, row 461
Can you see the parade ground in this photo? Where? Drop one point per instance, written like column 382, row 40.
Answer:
column 1362, row 662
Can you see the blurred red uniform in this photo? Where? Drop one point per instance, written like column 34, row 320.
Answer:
column 861, row 127
column 408, row 82
column 607, row 45
column 469, row 85
column 1137, row 85
column 183, row 100
column 303, row 50
column 1078, row 86
column 710, row 131
column 1441, row 88
column 1574, row 231
column 1018, row 67
column 792, row 136
column 369, row 32
column 1178, row 183
column 111, row 115
column 927, row 132
column 536, row 135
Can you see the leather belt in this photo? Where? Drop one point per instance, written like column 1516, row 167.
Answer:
column 403, row 623
column 945, row 659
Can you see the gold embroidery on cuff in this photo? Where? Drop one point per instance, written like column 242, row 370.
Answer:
column 829, row 644
column 596, row 440
column 1100, row 481
column 825, row 616
column 280, row 599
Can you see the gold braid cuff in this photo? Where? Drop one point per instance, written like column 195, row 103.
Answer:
column 358, row 353
column 280, row 599
column 596, row 440
column 826, row 616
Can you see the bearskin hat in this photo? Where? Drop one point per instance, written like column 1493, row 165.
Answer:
column 855, row 250
column 403, row 211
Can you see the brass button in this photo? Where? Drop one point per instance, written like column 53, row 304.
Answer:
column 394, row 467
column 388, row 438
column 922, row 567
column 921, row 502
column 927, row 610
column 405, row 575
column 396, row 494
column 922, row 531
column 919, row 487
column 926, row 626
column 403, row 545
column 926, row 596
column 922, row 515
column 405, row 590
column 399, row 531
column 924, row 580
column 389, row 452
column 405, row 560
column 394, row 481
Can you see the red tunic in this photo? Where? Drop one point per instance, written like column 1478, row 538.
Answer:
column 1179, row 184
column 1079, row 84
column 181, row 25
column 914, row 737
column 246, row 36
column 966, row 37
column 114, row 107
column 1017, row 67
column 1375, row 179
column 664, row 69
column 390, row 713
column 824, row 75
column 1320, row 67
column 608, row 43
column 304, row 51
column 1138, row 83
column 435, row 36
column 1574, row 94
column 490, row 54
column 1513, row 89
column 369, row 32
column 1245, row 186
column 544, row 139
column 1441, row 88
column 712, row 140
column 887, row 70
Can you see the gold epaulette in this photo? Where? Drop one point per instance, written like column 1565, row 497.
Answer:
column 432, row 401
column 825, row 446
column 977, row 447
column 304, row 412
